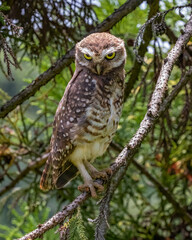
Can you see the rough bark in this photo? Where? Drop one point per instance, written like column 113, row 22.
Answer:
column 153, row 113
column 156, row 108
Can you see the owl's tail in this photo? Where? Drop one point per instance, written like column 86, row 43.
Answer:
column 46, row 181
column 67, row 175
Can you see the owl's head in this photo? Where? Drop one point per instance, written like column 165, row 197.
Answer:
column 100, row 53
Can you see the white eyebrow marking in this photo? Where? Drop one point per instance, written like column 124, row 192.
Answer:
column 86, row 51
column 107, row 51
column 118, row 63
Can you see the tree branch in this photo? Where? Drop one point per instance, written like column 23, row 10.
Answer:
column 178, row 208
column 170, row 198
column 125, row 157
column 66, row 60
column 69, row 209
column 57, row 218
column 153, row 113
column 30, row 167
column 154, row 8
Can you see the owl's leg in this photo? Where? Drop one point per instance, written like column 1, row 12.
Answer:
column 95, row 173
column 89, row 184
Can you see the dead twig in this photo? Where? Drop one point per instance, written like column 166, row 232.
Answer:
column 66, row 60
column 32, row 166
column 125, row 157
column 153, row 113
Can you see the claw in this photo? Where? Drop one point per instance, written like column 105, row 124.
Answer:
column 108, row 171
column 91, row 186
column 104, row 174
column 99, row 175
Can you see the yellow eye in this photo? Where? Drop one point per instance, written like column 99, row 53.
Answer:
column 87, row 56
column 110, row 56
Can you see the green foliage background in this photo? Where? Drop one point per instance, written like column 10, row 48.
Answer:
column 138, row 209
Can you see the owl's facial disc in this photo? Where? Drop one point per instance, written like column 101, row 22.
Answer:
column 100, row 61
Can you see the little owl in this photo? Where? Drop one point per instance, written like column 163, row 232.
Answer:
column 88, row 114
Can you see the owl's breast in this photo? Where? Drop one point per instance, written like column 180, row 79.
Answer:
column 88, row 151
column 99, row 128
column 102, row 117
column 115, row 107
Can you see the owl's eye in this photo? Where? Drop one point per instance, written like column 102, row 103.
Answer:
column 110, row 56
column 87, row 56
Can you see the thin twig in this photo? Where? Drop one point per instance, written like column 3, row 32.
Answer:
column 170, row 198
column 147, row 37
column 30, row 167
column 178, row 208
column 57, row 218
column 119, row 169
column 66, row 60
column 153, row 113
column 144, row 37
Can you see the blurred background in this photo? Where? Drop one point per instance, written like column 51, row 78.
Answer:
column 33, row 35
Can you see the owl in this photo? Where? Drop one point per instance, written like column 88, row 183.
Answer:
column 88, row 114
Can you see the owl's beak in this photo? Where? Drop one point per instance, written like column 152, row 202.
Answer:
column 98, row 69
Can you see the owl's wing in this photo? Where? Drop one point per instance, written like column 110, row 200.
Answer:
column 70, row 112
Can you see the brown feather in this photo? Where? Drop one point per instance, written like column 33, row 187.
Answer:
column 88, row 114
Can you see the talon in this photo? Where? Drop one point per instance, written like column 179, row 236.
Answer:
column 99, row 175
column 83, row 188
column 99, row 187
column 91, row 187
column 108, row 171
column 104, row 174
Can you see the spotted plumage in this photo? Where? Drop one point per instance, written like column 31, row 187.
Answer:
column 88, row 114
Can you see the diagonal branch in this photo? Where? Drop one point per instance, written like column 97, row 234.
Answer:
column 23, row 173
column 125, row 157
column 57, row 218
column 66, row 60
column 145, row 36
column 69, row 209
column 135, row 71
column 153, row 113
column 178, row 208
column 170, row 198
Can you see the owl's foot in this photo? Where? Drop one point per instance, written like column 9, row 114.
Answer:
column 95, row 174
column 104, row 174
column 108, row 171
column 91, row 186
column 99, row 175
